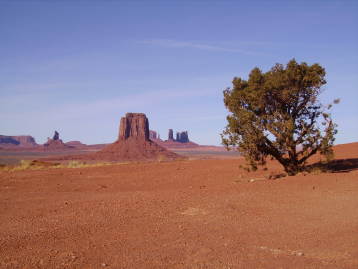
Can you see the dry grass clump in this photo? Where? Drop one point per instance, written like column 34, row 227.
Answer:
column 38, row 165
column 27, row 165
column 77, row 164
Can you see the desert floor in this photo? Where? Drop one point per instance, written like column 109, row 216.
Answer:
column 182, row 214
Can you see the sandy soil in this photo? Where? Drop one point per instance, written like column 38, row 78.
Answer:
column 182, row 214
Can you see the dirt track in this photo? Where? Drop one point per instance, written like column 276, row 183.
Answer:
column 184, row 214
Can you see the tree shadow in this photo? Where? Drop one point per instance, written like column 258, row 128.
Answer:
column 335, row 166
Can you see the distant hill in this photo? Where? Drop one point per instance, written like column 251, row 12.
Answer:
column 17, row 141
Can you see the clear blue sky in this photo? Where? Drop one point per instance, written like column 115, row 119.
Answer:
column 78, row 66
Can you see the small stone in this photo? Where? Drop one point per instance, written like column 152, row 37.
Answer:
column 103, row 264
column 298, row 253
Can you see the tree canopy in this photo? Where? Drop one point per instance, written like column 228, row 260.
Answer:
column 278, row 114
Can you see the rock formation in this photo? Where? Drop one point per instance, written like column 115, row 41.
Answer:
column 181, row 141
column 134, row 125
column 56, row 136
column 133, row 144
column 182, row 137
column 170, row 134
column 56, row 143
column 19, row 141
column 153, row 135
column 8, row 140
column 76, row 144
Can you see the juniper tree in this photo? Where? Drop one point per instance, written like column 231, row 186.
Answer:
column 278, row 114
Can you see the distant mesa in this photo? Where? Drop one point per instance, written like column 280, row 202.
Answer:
column 181, row 140
column 133, row 143
column 170, row 135
column 182, row 137
column 25, row 141
column 76, row 144
column 55, row 143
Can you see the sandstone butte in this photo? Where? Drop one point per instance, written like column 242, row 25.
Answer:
column 133, row 144
column 55, row 144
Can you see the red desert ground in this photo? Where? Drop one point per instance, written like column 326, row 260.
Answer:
column 137, row 204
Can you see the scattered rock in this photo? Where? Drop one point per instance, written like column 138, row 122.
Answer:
column 298, row 253
column 256, row 179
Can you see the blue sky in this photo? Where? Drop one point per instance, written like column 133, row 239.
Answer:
column 78, row 66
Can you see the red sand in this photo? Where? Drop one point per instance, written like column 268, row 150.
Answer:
column 182, row 214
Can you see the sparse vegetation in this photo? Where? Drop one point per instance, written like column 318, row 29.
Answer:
column 24, row 165
column 37, row 165
column 278, row 114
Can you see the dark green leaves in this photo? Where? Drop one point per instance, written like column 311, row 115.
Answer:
column 276, row 113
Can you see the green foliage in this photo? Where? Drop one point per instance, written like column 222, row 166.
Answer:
column 278, row 114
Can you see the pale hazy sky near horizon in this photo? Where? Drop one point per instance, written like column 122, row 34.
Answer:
column 78, row 66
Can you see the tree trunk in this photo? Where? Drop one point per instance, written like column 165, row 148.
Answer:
column 292, row 168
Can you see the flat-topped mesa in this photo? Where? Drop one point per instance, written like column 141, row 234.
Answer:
column 134, row 125
column 18, row 141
